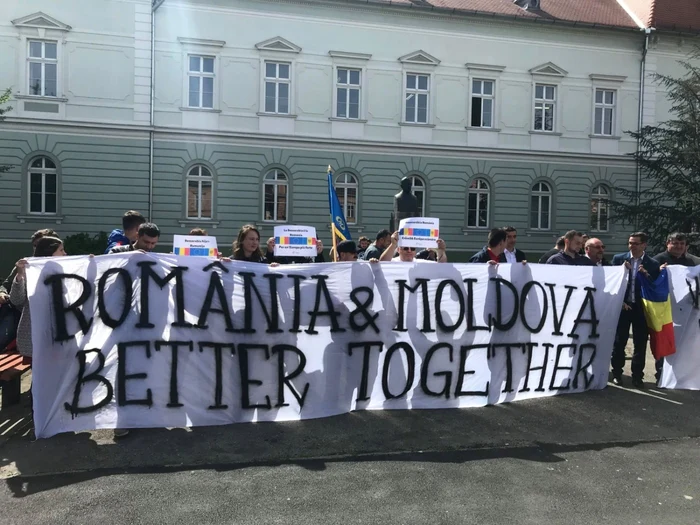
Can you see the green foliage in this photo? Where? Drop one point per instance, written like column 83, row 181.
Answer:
column 669, row 157
column 85, row 244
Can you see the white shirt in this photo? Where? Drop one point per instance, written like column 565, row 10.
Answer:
column 510, row 256
column 635, row 263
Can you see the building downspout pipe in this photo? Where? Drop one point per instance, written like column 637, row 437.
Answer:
column 640, row 122
column 151, row 134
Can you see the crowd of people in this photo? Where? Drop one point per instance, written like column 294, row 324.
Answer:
column 573, row 248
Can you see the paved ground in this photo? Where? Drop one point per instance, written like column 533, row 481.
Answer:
column 614, row 456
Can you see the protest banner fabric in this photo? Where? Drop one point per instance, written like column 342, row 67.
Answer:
column 419, row 232
column 682, row 369
column 147, row 340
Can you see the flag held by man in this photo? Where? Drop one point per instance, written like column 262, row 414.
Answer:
column 339, row 226
column 656, row 303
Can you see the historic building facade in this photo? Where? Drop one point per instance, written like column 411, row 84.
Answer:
column 497, row 119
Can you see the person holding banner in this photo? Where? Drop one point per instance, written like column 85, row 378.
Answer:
column 496, row 245
column 45, row 247
column 408, row 254
column 146, row 240
column 247, row 245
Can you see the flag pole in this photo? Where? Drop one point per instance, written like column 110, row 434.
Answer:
column 335, row 239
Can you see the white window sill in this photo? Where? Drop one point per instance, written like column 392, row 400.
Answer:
column 282, row 115
column 39, row 217
column 479, row 128
column 198, row 222
column 40, row 98
column 538, row 132
column 340, row 119
column 607, row 137
column 203, row 110
column 417, row 124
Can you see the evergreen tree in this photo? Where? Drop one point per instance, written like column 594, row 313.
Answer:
column 669, row 157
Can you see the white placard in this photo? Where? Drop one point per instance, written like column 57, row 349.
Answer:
column 295, row 241
column 155, row 340
column 195, row 245
column 419, row 232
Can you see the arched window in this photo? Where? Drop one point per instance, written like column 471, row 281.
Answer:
column 275, row 185
column 599, row 208
column 200, row 189
column 346, row 188
column 43, row 186
column 478, row 202
column 540, row 206
column 418, row 189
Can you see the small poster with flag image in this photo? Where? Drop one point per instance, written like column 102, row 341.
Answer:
column 419, row 232
column 656, row 303
column 295, row 241
column 195, row 246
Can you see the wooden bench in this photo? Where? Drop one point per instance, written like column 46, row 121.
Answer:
column 11, row 371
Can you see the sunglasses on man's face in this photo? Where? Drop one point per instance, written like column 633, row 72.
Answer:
column 406, row 249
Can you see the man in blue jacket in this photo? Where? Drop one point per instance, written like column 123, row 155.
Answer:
column 632, row 313
column 131, row 221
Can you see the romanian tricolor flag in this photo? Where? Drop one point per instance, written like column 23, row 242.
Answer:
column 295, row 241
column 420, row 232
column 656, row 303
column 197, row 252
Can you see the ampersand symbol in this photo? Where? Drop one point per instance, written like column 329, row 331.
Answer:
column 363, row 309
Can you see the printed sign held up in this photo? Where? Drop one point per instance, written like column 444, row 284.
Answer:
column 419, row 232
column 195, row 246
column 295, row 241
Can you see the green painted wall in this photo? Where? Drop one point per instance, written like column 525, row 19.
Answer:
column 100, row 178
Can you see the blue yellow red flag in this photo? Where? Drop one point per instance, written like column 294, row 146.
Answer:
column 656, row 303
column 338, row 224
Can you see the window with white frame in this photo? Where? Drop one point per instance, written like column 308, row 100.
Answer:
column 418, row 189
column 200, row 187
column 43, row 68
column 478, row 201
column 275, row 185
column 417, row 96
column 43, row 186
column 347, row 87
column 483, row 96
column 346, row 188
column 277, row 87
column 605, row 100
column 545, row 106
column 600, row 197
column 201, row 82
column 540, row 206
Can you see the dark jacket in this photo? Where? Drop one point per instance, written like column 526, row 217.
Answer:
column 650, row 265
column 116, row 238
column 603, row 262
column 519, row 256
column 564, row 258
column 372, row 252
column 482, row 256
column 546, row 256
column 667, row 258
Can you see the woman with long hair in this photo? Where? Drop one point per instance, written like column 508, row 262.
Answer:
column 247, row 245
column 45, row 247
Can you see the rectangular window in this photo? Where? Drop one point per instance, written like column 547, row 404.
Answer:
column 417, row 93
column 482, row 103
column 42, row 193
column 277, row 87
column 605, row 112
column 201, row 82
column 545, row 104
column 43, row 68
column 348, row 85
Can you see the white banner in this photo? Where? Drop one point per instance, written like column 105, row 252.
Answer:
column 151, row 340
column 682, row 369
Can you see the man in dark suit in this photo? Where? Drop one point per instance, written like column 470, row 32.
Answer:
column 632, row 314
column 492, row 252
column 558, row 246
column 511, row 254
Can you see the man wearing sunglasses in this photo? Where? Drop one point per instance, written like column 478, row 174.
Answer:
column 408, row 253
column 595, row 251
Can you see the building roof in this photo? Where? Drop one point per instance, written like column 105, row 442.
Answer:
column 675, row 15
